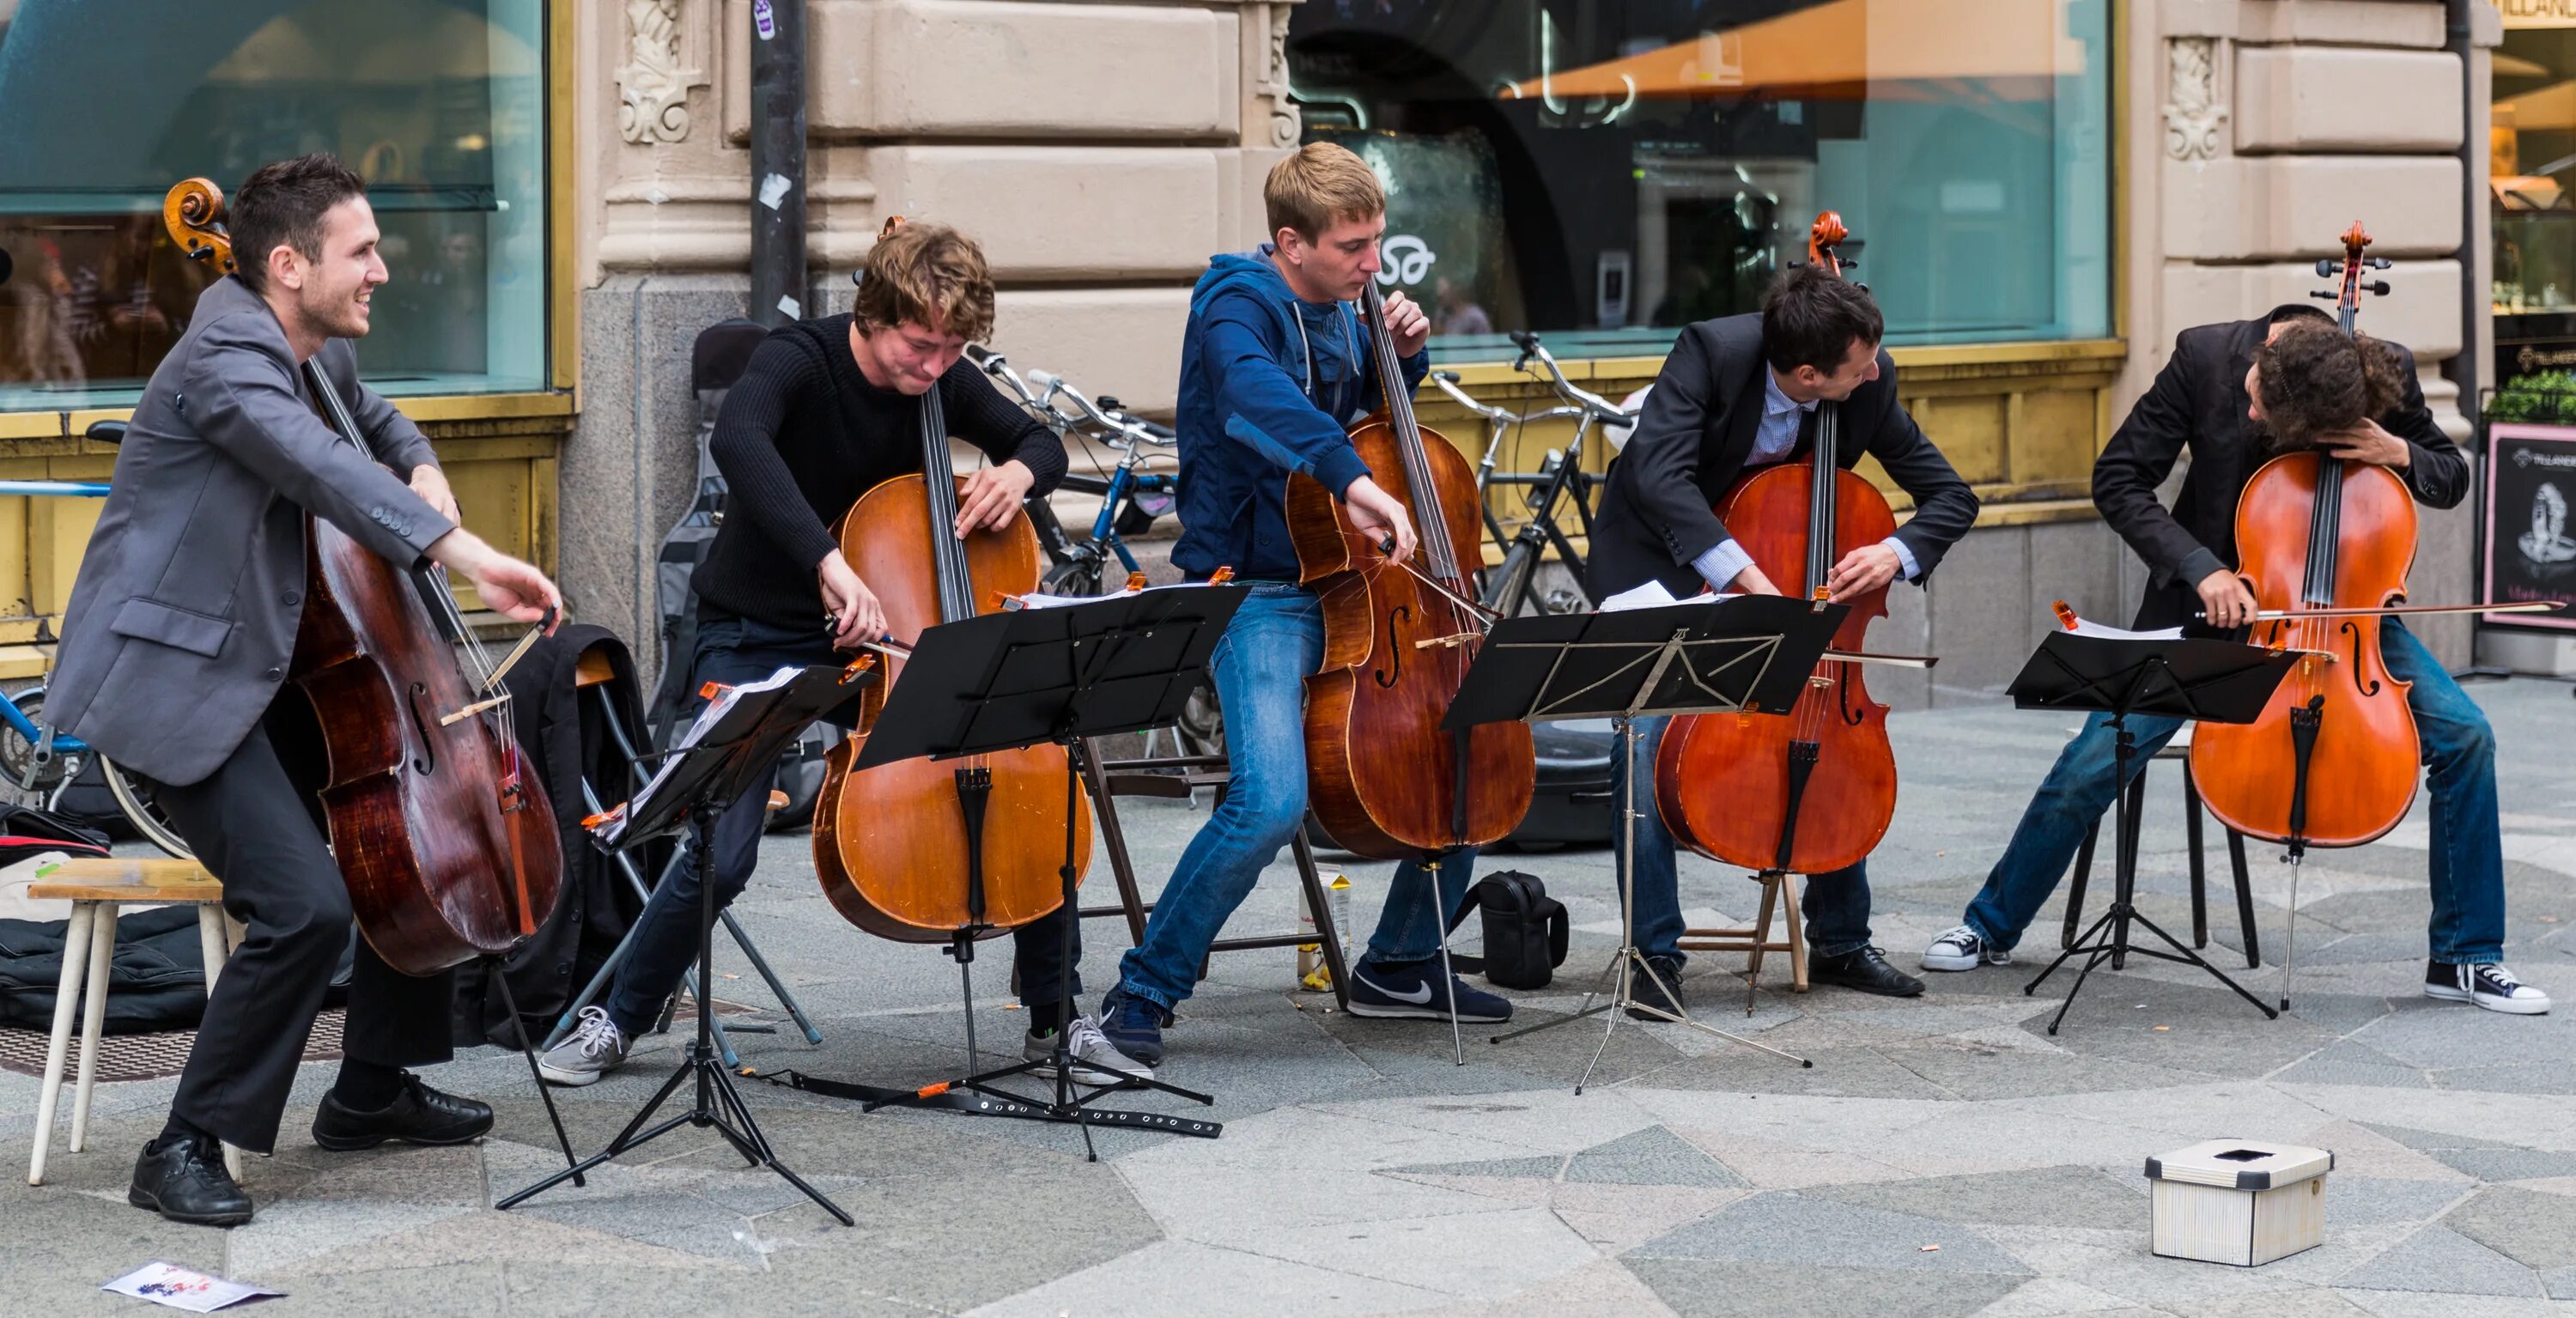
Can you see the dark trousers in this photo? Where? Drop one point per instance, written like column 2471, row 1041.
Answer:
column 734, row 650
column 253, row 826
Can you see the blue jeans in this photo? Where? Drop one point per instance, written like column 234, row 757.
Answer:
column 1261, row 664
column 2467, row 860
column 665, row 941
column 1836, row 904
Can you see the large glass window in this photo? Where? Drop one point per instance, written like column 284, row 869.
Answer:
column 1605, row 170
column 106, row 103
column 2532, row 164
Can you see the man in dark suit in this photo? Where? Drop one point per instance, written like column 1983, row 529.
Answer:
column 174, row 658
column 2213, row 399
column 1737, row 393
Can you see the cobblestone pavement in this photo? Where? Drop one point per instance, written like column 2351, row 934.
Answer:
column 1362, row 1172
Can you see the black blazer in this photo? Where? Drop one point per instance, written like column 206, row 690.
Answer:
column 1691, row 444
column 2198, row 402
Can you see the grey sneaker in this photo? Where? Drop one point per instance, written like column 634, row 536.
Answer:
column 1963, row 949
column 596, row 1048
column 1096, row 1061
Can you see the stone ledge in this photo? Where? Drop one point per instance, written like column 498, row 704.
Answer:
column 2324, row 98
column 2422, row 310
column 2273, row 207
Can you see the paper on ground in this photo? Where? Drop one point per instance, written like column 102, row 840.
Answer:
column 180, row 1288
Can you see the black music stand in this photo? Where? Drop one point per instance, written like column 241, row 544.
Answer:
column 1749, row 652
column 1000, row 681
column 2210, row 681
column 734, row 755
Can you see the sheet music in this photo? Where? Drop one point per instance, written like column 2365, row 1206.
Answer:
column 611, row 828
column 2088, row 627
column 1652, row 595
column 1040, row 600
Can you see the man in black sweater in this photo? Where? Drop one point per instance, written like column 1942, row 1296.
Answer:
column 826, row 410
column 1737, row 393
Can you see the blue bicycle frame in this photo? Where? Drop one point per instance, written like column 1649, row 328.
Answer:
column 1123, row 484
column 63, row 742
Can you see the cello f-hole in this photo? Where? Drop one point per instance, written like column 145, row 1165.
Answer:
column 1386, row 677
column 427, row 760
column 2353, row 629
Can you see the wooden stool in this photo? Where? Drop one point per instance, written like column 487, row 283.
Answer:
column 1779, row 893
column 97, row 888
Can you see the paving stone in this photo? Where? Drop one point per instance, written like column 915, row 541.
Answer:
column 1544, row 1168
column 2437, row 1259
column 2058, row 1196
column 1176, row 1277
column 1654, row 1156
column 2535, row 1230
column 1792, row 1228
column 2345, row 1062
column 1707, row 1288
column 2370, row 1200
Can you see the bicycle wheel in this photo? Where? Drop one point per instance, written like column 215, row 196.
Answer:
column 135, row 799
column 1078, row 577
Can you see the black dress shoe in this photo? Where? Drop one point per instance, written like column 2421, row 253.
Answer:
column 182, row 1178
column 1865, row 969
column 418, row 1115
column 1658, row 985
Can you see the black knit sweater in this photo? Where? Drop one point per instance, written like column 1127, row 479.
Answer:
column 803, row 435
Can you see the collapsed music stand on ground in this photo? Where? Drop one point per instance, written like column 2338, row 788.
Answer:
column 735, row 755
column 1751, row 653
column 1000, row 681
column 2211, row 681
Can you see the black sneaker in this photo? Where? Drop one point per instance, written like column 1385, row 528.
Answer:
column 418, row 1115
column 2484, row 984
column 1659, row 985
column 1865, row 969
column 182, row 1178
column 1415, row 992
column 1134, row 1026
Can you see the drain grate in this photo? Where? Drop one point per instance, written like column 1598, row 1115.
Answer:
column 144, row 1056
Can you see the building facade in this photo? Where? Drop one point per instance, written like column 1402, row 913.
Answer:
column 2044, row 193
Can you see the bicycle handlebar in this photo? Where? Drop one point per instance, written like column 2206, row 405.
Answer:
column 1600, row 409
column 1134, row 428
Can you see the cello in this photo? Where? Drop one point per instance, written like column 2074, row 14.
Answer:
column 441, row 828
column 1382, row 776
column 889, row 841
column 1812, row 789
column 2325, row 545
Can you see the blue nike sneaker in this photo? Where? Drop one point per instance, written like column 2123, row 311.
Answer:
column 1414, row 992
column 1134, row 1025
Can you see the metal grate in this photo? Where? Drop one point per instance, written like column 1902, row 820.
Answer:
column 145, row 1056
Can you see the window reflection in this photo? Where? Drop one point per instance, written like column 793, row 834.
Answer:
column 437, row 103
column 1609, row 169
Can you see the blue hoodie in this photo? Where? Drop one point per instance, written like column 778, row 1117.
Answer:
column 1258, row 400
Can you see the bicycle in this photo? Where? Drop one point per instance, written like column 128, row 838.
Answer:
column 1512, row 586
column 38, row 762
column 1128, row 497
column 1080, row 564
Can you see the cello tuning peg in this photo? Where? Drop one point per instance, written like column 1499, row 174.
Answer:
column 2379, row 286
column 2380, row 263
column 2330, row 297
column 2325, row 268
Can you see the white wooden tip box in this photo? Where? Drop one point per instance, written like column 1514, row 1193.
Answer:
column 2245, row 1202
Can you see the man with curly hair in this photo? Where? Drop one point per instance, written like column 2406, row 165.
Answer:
column 2236, row 395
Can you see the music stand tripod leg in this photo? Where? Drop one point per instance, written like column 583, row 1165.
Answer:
column 717, row 1100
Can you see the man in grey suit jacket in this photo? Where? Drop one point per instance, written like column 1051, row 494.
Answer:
column 1736, row 393
column 175, row 650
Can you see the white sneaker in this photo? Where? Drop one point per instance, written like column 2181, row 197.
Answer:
column 1963, row 949
column 596, row 1048
column 1096, row 1061
column 2485, row 984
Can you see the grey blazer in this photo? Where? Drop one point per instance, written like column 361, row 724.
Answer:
column 185, row 610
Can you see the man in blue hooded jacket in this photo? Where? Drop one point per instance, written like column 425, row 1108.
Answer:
column 1274, row 365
